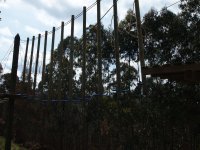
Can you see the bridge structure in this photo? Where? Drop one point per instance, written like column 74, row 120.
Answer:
column 32, row 93
column 189, row 73
column 184, row 73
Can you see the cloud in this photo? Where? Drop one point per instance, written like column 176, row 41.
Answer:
column 8, row 4
column 4, row 5
column 46, row 19
column 145, row 6
column 5, row 31
column 77, row 3
column 32, row 30
column 52, row 4
column 16, row 23
column 5, row 41
column 6, row 54
column 52, row 7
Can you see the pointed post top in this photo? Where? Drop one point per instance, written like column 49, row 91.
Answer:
column 17, row 37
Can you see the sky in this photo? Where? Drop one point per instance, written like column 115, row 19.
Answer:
column 31, row 17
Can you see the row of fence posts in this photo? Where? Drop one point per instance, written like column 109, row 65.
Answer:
column 61, row 55
column 99, row 55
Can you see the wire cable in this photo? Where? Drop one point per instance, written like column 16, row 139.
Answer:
column 68, row 22
column 173, row 4
column 170, row 5
column 6, row 55
column 5, row 64
column 107, row 12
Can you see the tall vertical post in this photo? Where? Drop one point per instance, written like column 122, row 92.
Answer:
column 51, row 65
column 116, row 44
column 31, row 61
column 60, row 58
column 11, row 101
column 25, row 60
column 84, row 75
column 71, row 58
column 61, row 41
column 36, row 65
column 62, row 94
column 44, row 59
column 83, row 54
column 99, row 51
column 140, row 43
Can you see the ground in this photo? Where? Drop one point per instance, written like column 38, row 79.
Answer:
column 14, row 146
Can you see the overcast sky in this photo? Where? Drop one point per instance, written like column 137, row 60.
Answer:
column 31, row 17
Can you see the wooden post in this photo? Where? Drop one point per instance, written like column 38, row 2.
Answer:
column 31, row 61
column 11, row 101
column 140, row 43
column 62, row 88
column 85, row 135
column 51, row 65
column 25, row 60
column 60, row 58
column 83, row 54
column 44, row 59
column 61, row 41
column 99, row 51
column 36, row 65
column 71, row 59
column 116, row 44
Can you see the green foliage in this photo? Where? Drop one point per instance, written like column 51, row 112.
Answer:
column 164, row 36
column 171, row 38
column 13, row 147
column 190, row 14
column 1, row 69
column 5, row 84
column 167, row 117
column 128, row 37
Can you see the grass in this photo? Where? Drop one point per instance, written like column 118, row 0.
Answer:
column 14, row 146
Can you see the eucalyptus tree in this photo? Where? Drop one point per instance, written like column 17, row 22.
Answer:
column 190, row 13
column 61, row 73
column 91, row 56
column 128, row 37
column 128, row 48
column 164, row 34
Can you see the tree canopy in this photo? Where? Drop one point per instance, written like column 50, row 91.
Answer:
column 167, row 117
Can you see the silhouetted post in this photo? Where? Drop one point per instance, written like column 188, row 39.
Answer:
column 71, row 59
column 31, row 61
column 44, row 59
column 140, row 43
column 62, row 88
column 12, row 97
column 51, row 64
column 99, row 51
column 36, row 65
column 25, row 60
column 83, row 54
column 116, row 44
column 60, row 58
column 85, row 146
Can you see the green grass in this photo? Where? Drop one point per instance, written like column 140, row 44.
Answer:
column 14, row 146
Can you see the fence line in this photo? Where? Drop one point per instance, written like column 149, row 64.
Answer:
column 61, row 53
